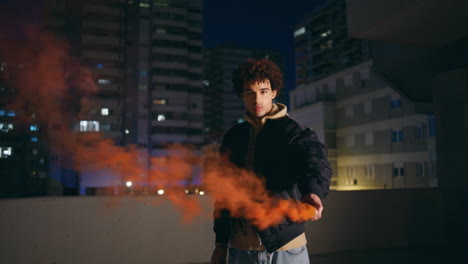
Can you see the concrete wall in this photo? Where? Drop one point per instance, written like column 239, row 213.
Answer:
column 150, row 230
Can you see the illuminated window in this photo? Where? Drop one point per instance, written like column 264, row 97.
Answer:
column 87, row 126
column 324, row 34
column 5, row 152
column 99, row 66
column 34, row 139
column 369, row 172
column 351, row 175
column 104, row 81
column 160, row 101
column 105, row 111
column 397, row 135
column 395, row 101
column 10, row 113
column 160, row 3
column 161, row 30
column 5, row 127
column 161, row 118
column 2, row 112
column 299, row 32
column 419, row 131
column 33, row 128
column 144, row 5
column 398, row 169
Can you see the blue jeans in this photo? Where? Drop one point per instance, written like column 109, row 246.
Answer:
column 292, row 256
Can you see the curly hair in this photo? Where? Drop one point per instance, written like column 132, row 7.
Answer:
column 254, row 71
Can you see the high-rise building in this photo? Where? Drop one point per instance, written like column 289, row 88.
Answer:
column 95, row 32
column 223, row 107
column 23, row 147
column 175, row 66
column 146, row 57
column 322, row 45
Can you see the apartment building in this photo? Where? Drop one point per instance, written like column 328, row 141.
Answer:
column 322, row 45
column 146, row 57
column 23, row 148
column 381, row 141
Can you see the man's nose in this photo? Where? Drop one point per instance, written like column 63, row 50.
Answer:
column 257, row 98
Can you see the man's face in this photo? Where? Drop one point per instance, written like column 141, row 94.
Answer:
column 258, row 98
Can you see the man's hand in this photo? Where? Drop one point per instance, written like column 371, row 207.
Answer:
column 316, row 202
column 219, row 255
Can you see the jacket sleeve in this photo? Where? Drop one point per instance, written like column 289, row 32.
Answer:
column 221, row 215
column 314, row 170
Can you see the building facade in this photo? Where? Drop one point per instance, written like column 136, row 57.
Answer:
column 147, row 61
column 381, row 142
column 322, row 45
column 23, row 149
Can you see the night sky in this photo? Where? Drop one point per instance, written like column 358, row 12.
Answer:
column 258, row 24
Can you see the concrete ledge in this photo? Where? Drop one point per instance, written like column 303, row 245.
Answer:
column 151, row 230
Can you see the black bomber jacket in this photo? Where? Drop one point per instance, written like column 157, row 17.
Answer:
column 293, row 163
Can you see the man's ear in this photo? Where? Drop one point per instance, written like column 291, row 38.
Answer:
column 274, row 92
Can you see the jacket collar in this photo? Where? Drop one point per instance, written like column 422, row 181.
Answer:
column 278, row 110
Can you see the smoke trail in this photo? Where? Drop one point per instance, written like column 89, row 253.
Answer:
column 55, row 89
column 244, row 195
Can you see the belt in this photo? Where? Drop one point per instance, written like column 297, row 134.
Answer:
column 245, row 237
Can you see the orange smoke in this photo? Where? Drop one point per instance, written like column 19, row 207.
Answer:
column 244, row 195
column 54, row 89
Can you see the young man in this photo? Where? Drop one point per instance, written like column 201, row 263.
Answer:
column 292, row 161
